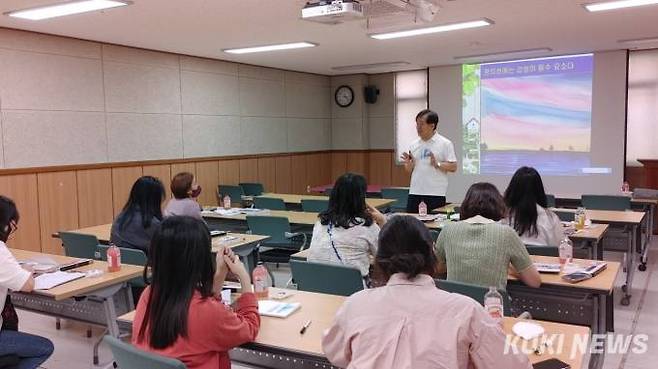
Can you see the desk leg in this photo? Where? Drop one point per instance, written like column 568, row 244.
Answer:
column 630, row 257
column 645, row 251
column 600, row 329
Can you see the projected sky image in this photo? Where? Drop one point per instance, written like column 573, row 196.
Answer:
column 533, row 112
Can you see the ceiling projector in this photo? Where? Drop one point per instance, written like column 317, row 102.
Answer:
column 332, row 12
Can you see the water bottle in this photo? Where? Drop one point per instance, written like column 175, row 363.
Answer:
column 579, row 221
column 566, row 251
column 493, row 304
column 261, row 280
column 227, row 202
column 113, row 258
column 308, row 188
column 422, row 209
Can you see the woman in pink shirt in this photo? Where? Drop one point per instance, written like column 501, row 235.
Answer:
column 420, row 326
column 179, row 315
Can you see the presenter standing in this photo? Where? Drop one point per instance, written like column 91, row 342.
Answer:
column 429, row 160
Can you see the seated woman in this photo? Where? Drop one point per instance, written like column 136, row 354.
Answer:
column 185, row 191
column 346, row 233
column 31, row 350
column 528, row 213
column 141, row 216
column 180, row 315
column 478, row 249
column 409, row 323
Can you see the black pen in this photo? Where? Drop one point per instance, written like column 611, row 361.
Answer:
column 305, row 326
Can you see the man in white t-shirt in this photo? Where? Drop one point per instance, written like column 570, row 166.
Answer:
column 429, row 160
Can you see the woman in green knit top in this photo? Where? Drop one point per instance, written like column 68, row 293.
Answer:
column 478, row 249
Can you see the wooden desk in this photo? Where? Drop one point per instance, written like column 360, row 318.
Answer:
column 243, row 245
column 98, row 300
column 295, row 217
column 297, row 199
column 281, row 336
column 81, row 286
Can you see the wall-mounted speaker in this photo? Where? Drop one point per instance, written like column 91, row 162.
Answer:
column 370, row 94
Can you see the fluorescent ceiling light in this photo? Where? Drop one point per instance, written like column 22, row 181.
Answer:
column 503, row 54
column 68, row 8
column 258, row 49
column 348, row 68
column 647, row 40
column 436, row 29
column 620, row 4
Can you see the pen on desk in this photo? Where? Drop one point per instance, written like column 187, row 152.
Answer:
column 305, row 326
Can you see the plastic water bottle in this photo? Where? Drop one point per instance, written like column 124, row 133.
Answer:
column 261, row 280
column 227, row 202
column 113, row 259
column 422, row 209
column 493, row 304
column 566, row 251
column 625, row 187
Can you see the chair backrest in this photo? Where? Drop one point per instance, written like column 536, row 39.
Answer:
column 128, row 356
column 400, row 196
column 79, row 245
column 333, row 279
column 314, row 206
column 130, row 257
column 234, row 192
column 252, row 189
column 473, row 291
column 645, row 193
column 266, row 225
column 543, row 250
column 565, row 216
column 269, row 203
column 606, row 202
column 435, row 234
column 550, row 201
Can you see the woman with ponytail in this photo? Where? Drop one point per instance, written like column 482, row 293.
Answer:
column 409, row 323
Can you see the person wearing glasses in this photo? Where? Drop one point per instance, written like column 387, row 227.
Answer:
column 429, row 160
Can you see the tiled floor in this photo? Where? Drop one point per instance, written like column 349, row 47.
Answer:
column 74, row 351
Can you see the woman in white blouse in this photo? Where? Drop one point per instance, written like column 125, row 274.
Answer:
column 31, row 350
column 528, row 213
column 346, row 233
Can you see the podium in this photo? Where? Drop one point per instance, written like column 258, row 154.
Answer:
column 650, row 172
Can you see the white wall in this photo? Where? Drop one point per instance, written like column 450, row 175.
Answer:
column 67, row 101
column 349, row 125
column 642, row 129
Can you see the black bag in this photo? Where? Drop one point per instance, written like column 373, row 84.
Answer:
column 9, row 316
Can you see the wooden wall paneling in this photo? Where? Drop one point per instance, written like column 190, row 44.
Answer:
column 338, row 165
column 357, row 162
column 314, row 176
column 58, row 207
column 22, row 188
column 636, row 177
column 161, row 172
column 94, row 197
column 207, row 176
column 399, row 176
column 229, row 172
column 267, row 172
column 123, row 179
column 298, row 171
column 283, row 175
column 380, row 167
column 325, row 166
column 249, row 170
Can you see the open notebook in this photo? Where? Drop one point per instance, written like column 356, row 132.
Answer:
column 47, row 281
column 277, row 309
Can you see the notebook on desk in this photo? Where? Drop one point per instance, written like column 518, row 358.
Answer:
column 277, row 309
column 47, row 281
column 547, row 267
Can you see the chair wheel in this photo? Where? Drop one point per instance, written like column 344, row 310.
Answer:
column 95, row 359
column 625, row 301
column 624, row 288
column 114, row 364
column 642, row 267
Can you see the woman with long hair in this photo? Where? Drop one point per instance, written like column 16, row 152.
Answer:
column 31, row 350
column 346, row 233
column 141, row 215
column 409, row 323
column 180, row 314
column 527, row 210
